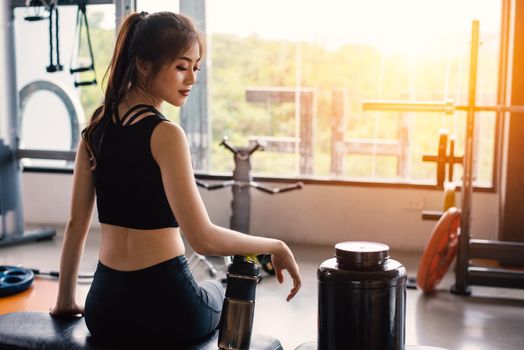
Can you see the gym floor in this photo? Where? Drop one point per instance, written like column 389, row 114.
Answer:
column 491, row 318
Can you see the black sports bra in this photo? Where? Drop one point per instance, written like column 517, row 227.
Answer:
column 129, row 189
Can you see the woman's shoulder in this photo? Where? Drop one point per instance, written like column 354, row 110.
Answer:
column 166, row 127
column 169, row 143
column 167, row 134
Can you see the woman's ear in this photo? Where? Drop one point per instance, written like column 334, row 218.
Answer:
column 143, row 66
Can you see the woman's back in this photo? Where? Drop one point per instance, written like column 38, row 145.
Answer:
column 138, row 226
column 128, row 180
column 128, row 249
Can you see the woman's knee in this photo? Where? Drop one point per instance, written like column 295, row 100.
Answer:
column 215, row 294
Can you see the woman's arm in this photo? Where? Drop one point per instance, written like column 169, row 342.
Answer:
column 82, row 203
column 170, row 150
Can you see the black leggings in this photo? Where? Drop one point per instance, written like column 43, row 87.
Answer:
column 160, row 304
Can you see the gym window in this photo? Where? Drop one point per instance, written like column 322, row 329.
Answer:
column 297, row 79
column 343, row 53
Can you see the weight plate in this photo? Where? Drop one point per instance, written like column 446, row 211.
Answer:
column 14, row 280
column 440, row 251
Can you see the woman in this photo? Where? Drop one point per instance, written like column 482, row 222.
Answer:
column 137, row 165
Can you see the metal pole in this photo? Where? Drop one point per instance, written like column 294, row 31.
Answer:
column 461, row 281
column 122, row 9
column 194, row 115
column 11, row 136
column 401, row 106
column 12, row 214
column 497, row 108
column 438, row 107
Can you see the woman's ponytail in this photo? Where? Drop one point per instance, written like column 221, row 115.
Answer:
column 118, row 77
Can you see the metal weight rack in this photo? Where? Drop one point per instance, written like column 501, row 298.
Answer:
column 510, row 252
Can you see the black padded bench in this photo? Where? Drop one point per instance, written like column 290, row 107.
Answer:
column 313, row 346
column 38, row 330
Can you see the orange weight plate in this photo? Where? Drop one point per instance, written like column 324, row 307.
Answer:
column 439, row 251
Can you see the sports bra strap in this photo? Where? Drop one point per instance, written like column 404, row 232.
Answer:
column 139, row 113
column 131, row 110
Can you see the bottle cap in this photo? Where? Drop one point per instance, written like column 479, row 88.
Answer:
column 361, row 254
column 241, row 266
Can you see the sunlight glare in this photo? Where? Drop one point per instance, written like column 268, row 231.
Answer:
column 408, row 27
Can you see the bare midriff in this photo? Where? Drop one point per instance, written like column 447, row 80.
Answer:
column 128, row 249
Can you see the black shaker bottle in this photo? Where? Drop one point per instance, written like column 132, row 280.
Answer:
column 236, row 321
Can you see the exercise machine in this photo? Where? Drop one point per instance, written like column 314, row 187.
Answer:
column 12, row 230
column 11, row 213
column 468, row 248
column 241, row 203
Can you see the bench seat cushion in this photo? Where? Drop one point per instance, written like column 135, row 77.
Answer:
column 38, row 330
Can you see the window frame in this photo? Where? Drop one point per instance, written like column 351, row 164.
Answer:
column 503, row 80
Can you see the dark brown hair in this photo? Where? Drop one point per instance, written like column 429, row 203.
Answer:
column 158, row 38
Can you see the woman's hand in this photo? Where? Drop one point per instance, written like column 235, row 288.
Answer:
column 283, row 259
column 72, row 309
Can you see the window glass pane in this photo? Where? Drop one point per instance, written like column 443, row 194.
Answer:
column 46, row 119
column 275, row 75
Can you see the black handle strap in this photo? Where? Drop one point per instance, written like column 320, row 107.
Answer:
column 37, row 13
column 81, row 20
column 54, row 67
column 85, row 83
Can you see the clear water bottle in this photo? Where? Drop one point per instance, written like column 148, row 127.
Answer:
column 238, row 311
column 361, row 299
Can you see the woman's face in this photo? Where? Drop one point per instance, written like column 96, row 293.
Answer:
column 174, row 82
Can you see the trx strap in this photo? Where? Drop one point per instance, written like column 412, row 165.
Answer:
column 54, row 67
column 52, row 7
column 81, row 19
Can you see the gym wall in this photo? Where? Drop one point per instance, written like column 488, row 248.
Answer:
column 317, row 214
